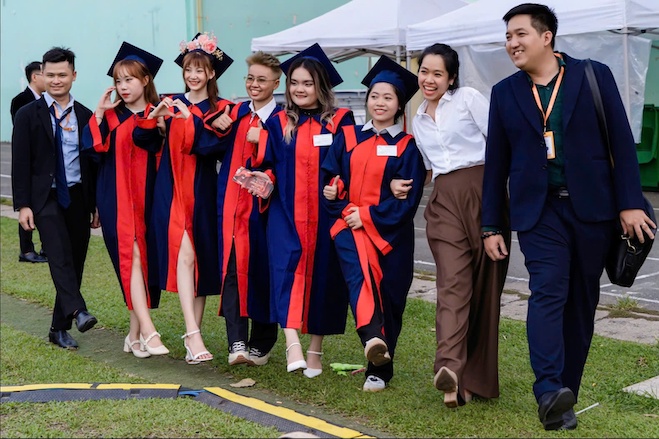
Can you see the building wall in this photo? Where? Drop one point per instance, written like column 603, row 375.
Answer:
column 94, row 30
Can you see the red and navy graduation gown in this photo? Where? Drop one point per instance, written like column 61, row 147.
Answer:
column 124, row 194
column 377, row 260
column 241, row 226
column 185, row 197
column 307, row 290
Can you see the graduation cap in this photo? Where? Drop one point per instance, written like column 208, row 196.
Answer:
column 128, row 51
column 206, row 44
column 387, row 70
column 315, row 52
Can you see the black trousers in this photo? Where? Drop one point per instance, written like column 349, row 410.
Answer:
column 263, row 336
column 25, row 240
column 65, row 237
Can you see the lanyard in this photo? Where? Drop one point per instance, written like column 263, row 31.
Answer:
column 66, row 120
column 545, row 116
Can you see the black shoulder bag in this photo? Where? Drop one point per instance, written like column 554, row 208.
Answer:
column 626, row 255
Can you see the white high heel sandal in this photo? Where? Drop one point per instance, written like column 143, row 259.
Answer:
column 310, row 372
column 139, row 353
column 160, row 350
column 194, row 359
column 300, row 364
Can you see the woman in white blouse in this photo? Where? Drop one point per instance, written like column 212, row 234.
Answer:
column 450, row 128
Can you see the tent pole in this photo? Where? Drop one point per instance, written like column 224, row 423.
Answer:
column 626, row 70
column 408, row 107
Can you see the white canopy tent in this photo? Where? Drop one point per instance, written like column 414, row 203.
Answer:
column 604, row 30
column 359, row 27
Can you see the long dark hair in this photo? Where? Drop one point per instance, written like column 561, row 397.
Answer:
column 451, row 62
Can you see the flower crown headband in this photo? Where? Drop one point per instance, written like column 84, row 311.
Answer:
column 204, row 42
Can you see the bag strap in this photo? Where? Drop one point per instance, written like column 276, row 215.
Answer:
column 599, row 107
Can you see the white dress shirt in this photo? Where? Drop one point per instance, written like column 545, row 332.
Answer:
column 265, row 111
column 456, row 138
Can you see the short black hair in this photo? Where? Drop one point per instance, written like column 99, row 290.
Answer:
column 543, row 18
column 34, row 66
column 451, row 62
column 60, row 54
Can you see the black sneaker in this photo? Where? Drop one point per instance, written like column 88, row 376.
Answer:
column 258, row 357
column 238, row 353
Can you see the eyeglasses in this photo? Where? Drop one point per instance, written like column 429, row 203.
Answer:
column 259, row 80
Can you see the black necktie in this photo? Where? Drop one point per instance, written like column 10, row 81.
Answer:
column 61, row 185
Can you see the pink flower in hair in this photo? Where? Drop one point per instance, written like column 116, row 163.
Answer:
column 203, row 38
column 209, row 46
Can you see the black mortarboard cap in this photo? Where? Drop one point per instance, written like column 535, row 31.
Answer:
column 219, row 59
column 315, row 52
column 128, row 51
column 388, row 70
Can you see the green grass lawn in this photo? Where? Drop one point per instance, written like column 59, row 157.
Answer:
column 410, row 407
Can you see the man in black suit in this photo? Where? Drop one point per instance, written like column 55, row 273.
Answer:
column 31, row 93
column 54, row 188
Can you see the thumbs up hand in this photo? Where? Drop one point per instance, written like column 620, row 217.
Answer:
column 223, row 122
column 331, row 191
column 254, row 133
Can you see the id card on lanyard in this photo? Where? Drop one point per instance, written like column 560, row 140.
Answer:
column 549, row 135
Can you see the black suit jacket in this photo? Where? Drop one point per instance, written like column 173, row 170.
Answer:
column 33, row 157
column 20, row 100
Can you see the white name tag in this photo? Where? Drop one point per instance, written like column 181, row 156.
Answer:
column 322, row 139
column 387, row 151
column 549, row 144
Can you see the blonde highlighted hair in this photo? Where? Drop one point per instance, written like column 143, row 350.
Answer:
column 324, row 92
column 265, row 59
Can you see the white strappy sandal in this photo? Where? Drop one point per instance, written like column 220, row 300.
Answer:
column 194, row 359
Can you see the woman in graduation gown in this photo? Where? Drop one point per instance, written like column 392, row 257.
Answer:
column 184, row 210
column 373, row 231
column 307, row 291
column 125, row 185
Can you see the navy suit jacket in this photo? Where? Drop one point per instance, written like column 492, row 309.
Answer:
column 33, row 157
column 516, row 151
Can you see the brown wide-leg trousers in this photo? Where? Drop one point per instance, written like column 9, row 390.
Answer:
column 469, row 284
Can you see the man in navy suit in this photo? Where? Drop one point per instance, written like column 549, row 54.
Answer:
column 565, row 197
column 31, row 93
column 54, row 188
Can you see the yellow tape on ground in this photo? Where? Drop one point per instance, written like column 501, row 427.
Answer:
column 129, row 386
column 286, row 413
column 77, row 386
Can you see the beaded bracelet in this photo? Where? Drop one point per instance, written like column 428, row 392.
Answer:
column 492, row 233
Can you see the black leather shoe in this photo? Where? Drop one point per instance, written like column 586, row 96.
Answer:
column 62, row 339
column 84, row 320
column 31, row 257
column 43, row 253
column 553, row 405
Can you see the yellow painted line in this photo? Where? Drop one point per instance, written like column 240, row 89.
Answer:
column 129, row 386
column 286, row 413
column 78, row 386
